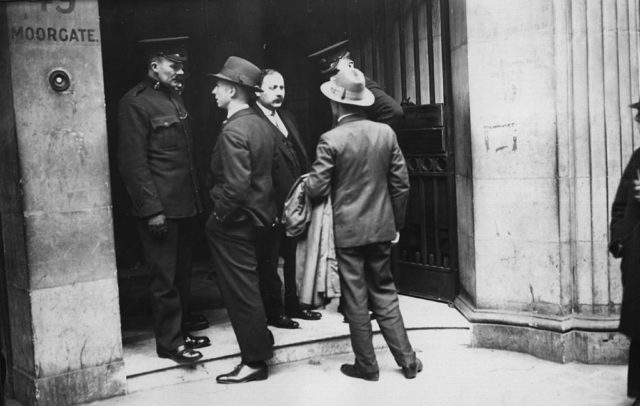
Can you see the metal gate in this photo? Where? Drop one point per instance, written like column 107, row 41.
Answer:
column 404, row 45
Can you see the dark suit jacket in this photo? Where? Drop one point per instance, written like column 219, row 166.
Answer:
column 625, row 232
column 287, row 173
column 360, row 163
column 243, row 163
column 155, row 152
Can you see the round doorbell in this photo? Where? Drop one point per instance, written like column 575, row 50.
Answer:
column 59, row 80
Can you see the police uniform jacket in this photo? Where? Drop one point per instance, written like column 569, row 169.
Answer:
column 384, row 108
column 155, row 152
column 360, row 164
column 243, row 166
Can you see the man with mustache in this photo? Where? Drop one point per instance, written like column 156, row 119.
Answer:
column 293, row 162
column 155, row 158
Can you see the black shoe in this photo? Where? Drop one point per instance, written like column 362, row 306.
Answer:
column 283, row 322
column 195, row 322
column 352, row 371
column 196, row 342
column 244, row 373
column 412, row 370
column 304, row 314
column 181, row 355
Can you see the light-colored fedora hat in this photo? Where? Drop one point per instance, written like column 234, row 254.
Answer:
column 241, row 72
column 348, row 87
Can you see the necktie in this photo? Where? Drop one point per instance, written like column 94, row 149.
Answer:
column 275, row 120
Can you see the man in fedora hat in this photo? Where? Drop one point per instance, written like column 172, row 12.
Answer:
column 244, row 212
column 360, row 164
column 293, row 162
column 384, row 108
column 155, row 158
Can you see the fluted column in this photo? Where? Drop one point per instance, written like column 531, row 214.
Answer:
column 549, row 131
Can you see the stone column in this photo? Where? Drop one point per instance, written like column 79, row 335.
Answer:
column 549, row 131
column 63, row 295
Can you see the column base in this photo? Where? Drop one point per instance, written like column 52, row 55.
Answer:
column 559, row 339
column 75, row 387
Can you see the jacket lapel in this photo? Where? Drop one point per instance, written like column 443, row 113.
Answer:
column 295, row 136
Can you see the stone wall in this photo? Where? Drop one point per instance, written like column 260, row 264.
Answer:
column 549, row 129
column 63, row 297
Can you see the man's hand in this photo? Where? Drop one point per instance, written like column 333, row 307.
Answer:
column 396, row 238
column 636, row 188
column 157, row 226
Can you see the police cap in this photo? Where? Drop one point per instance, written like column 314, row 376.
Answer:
column 328, row 58
column 171, row 48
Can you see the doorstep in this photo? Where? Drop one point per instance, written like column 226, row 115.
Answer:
column 315, row 339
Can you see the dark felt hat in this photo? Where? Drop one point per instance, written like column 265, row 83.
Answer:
column 328, row 58
column 171, row 48
column 241, row 72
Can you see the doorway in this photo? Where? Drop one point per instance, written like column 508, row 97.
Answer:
column 405, row 51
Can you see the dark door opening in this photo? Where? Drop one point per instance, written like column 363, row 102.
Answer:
column 400, row 44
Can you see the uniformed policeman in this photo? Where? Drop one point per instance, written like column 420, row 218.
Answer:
column 155, row 158
column 385, row 109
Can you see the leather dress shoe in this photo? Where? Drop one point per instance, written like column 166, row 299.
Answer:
column 353, row 371
column 192, row 342
column 282, row 322
column 304, row 314
column 244, row 373
column 195, row 322
column 410, row 371
column 181, row 355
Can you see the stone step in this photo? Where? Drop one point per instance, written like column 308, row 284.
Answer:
column 442, row 325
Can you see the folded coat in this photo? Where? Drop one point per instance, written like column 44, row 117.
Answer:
column 317, row 275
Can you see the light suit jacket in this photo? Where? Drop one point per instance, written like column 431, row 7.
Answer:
column 360, row 164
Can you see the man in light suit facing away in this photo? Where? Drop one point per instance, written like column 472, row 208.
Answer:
column 359, row 163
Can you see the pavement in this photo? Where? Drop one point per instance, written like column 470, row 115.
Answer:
column 454, row 373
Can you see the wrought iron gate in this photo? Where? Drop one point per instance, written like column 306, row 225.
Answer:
column 407, row 51
column 426, row 256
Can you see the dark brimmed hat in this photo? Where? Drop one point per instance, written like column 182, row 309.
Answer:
column 328, row 58
column 171, row 48
column 241, row 72
column 635, row 105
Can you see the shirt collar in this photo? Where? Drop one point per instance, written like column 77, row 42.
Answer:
column 267, row 112
column 345, row 116
column 236, row 109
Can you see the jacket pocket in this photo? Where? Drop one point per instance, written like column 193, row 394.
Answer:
column 166, row 131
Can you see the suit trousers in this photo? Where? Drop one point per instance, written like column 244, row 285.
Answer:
column 234, row 253
column 170, row 261
column 366, row 282
column 275, row 245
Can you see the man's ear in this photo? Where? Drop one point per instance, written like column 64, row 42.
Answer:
column 233, row 91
